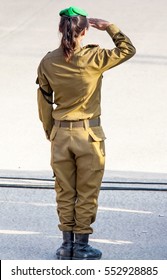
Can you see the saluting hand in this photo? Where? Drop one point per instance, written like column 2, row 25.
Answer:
column 99, row 23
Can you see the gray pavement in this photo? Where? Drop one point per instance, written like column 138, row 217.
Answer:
column 130, row 225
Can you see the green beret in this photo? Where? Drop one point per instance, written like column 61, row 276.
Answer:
column 73, row 12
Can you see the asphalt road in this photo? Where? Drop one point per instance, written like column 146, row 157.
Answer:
column 130, row 225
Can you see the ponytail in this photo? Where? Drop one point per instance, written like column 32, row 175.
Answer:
column 71, row 27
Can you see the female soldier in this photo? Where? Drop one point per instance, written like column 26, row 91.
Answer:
column 74, row 75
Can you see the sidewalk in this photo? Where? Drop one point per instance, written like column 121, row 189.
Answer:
column 130, row 225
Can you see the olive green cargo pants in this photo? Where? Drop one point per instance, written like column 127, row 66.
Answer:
column 77, row 159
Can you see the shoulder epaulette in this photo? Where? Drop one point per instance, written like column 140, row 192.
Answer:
column 91, row 46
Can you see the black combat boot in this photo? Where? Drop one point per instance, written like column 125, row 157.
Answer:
column 83, row 251
column 66, row 250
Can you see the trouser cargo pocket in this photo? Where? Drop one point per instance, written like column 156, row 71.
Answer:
column 96, row 139
column 53, row 132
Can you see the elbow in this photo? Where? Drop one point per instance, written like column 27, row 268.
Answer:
column 132, row 51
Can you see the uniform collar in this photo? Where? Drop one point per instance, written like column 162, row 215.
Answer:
column 77, row 47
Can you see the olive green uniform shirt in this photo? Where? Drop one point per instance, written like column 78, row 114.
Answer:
column 77, row 84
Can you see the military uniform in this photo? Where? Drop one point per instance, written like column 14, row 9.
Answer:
column 73, row 127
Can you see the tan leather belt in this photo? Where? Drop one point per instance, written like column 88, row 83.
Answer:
column 81, row 123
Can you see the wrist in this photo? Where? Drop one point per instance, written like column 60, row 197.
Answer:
column 108, row 24
column 112, row 29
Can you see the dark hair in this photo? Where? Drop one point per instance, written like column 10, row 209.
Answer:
column 71, row 27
